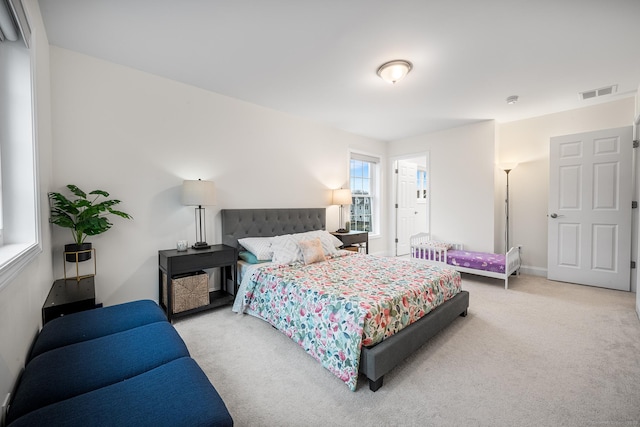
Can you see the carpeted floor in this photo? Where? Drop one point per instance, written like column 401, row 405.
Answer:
column 539, row 354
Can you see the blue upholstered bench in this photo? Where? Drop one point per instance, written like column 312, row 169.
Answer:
column 114, row 366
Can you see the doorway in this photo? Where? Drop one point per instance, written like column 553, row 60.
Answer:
column 411, row 199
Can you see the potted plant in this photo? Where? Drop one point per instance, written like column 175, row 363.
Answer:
column 84, row 216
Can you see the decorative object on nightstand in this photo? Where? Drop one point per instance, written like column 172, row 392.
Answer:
column 181, row 293
column 342, row 197
column 199, row 193
column 85, row 216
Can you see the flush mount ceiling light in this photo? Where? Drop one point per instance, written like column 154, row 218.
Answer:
column 512, row 99
column 393, row 71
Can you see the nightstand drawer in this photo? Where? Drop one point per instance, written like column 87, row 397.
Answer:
column 350, row 239
column 180, row 262
column 354, row 237
column 196, row 261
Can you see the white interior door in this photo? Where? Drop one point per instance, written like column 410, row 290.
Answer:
column 406, row 205
column 589, row 225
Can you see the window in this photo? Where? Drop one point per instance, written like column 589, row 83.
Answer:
column 421, row 184
column 19, row 218
column 364, row 183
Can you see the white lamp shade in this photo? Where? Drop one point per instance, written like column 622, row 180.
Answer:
column 342, row 196
column 198, row 193
column 508, row 166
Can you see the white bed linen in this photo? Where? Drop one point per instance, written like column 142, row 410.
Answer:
column 245, row 271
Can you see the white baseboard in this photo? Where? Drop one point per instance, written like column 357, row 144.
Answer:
column 533, row 271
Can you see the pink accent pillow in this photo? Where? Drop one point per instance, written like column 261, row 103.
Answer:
column 312, row 251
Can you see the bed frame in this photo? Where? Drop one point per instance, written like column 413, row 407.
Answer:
column 421, row 250
column 379, row 359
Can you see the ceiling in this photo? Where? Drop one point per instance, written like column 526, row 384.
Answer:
column 318, row 59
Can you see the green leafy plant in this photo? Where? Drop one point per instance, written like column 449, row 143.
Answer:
column 84, row 216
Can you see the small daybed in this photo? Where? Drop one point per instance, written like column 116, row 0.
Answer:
column 497, row 266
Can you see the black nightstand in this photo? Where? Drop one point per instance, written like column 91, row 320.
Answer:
column 174, row 263
column 69, row 296
column 351, row 238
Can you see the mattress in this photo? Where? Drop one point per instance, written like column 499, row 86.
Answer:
column 334, row 307
column 243, row 267
column 477, row 260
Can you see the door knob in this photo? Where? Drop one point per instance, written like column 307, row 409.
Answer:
column 555, row 215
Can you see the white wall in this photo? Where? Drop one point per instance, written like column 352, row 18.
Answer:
column 527, row 142
column 138, row 136
column 462, row 182
column 21, row 300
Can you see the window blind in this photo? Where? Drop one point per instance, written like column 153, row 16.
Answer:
column 13, row 22
column 365, row 158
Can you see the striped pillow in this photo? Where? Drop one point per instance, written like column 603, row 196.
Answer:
column 259, row 246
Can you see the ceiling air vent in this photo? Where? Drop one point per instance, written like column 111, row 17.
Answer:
column 608, row 90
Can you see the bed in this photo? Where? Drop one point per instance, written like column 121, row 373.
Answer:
column 283, row 286
column 497, row 266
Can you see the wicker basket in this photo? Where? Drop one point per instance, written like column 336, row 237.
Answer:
column 189, row 291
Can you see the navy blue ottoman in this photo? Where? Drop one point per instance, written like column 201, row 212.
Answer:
column 123, row 365
column 75, row 369
column 96, row 323
column 175, row 394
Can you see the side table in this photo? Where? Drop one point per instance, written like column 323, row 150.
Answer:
column 351, row 238
column 69, row 296
column 173, row 263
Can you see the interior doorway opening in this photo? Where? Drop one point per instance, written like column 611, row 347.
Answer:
column 411, row 199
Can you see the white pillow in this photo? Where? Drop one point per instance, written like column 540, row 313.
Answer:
column 259, row 246
column 336, row 242
column 286, row 250
column 333, row 240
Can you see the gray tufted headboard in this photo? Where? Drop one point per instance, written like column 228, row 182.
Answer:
column 239, row 223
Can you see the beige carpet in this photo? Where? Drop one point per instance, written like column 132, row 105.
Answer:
column 540, row 354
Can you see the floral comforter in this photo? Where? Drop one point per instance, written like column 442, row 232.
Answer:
column 333, row 308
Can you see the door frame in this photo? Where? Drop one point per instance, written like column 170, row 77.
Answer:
column 635, row 236
column 394, row 195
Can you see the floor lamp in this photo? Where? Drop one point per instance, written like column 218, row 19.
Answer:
column 199, row 193
column 507, row 167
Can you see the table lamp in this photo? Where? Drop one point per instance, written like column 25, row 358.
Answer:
column 199, row 193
